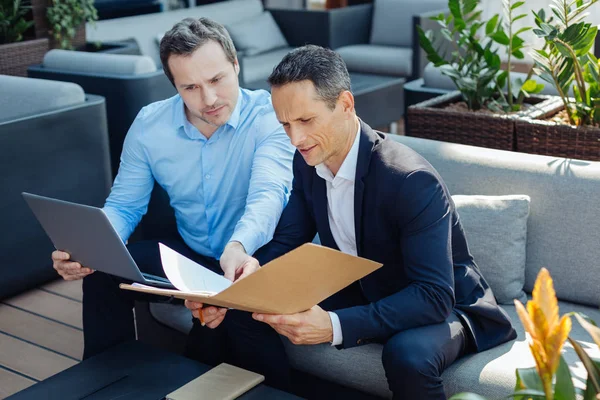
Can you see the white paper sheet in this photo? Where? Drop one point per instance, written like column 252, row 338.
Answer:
column 189, row 276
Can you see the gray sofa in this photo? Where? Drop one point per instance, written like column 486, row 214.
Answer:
column 383, row 42
column 130, row 82
column 54, row 142
column 558, row 230
column 256, row 35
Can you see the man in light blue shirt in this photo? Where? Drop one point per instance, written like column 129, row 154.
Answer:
column 223, row 159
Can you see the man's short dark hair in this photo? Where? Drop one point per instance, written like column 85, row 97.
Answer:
column 323, row 67
column 188, row 35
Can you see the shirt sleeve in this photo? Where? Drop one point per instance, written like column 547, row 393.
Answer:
column 130, row 193
column 338, row 338
column 270, row 185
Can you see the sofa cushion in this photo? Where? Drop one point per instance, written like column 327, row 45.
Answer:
column 561, row 232
column 102, row 63
column 257, row 35
column 144, row 28
column 496, row 229
column 259, row 67
column 490, row 373
column 393, row 20
column 21, row 97
column 373, row 59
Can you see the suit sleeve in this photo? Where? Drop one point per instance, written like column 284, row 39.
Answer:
column 296, row 225
column 424, row 218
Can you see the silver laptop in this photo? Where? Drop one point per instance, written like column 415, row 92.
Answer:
column 86, row 233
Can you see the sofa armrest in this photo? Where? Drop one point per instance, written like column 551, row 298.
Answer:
column 419, row 55
column 328, row 28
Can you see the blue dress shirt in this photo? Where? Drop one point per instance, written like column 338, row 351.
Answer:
column 231, row 187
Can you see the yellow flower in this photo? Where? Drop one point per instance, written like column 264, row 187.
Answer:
column 548, row 332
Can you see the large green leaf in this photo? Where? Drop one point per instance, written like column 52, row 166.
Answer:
column 427, row 46
column 456, row 11
column 501, row 37
column 490, row 27
column 517, row 5
column 590, row 390
column 592, row 367
column 564, row 389
column 528, row 394
column 528, row 378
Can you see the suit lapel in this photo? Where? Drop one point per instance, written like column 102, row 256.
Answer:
column 321, row 215
column 368, row 139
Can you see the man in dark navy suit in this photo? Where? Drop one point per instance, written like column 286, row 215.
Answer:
column 370, row 196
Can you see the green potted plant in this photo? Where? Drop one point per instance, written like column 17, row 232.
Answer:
column 16, row 51
column 467, row 50
column 551, row 378
column 67, row 20
column 570, row 126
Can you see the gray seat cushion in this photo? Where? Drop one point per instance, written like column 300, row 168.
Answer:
column 259, row 67
column 257, row 35
column 393, row 20
column 433, row 78
column 490, row 373
column 375, row 59
column 145, row 28
column 21, row 97
column 98, row 63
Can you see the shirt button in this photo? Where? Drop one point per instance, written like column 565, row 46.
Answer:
column 207, row 176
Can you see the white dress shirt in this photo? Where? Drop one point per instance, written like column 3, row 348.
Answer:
column 340, row 209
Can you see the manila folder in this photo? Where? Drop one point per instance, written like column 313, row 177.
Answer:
column 292, row 283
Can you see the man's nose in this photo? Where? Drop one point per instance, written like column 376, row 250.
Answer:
column 297, row 136
column 209, row 97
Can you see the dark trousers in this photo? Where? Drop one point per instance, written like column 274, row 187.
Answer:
column 107, row 309
column 413, row 359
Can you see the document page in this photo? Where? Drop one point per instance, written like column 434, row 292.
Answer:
column 189, row 276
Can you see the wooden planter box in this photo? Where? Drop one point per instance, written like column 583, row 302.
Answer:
column 536, row 136
column 16, row 57
column 430, row 120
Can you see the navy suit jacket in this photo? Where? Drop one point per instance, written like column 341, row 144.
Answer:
column 406, row 220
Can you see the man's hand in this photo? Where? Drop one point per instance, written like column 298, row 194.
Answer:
column 236, row 264
column 309, row 327
column 209, row 316
column 69, row 270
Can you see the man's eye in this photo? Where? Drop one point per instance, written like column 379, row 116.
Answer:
column 216, row 80
column 304, row 121
column 190, row 88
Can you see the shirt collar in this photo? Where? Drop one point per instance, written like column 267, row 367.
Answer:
column 180, row 119
column 348, row 169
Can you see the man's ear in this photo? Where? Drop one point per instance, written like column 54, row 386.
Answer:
column 236, row 66
column 347, row 102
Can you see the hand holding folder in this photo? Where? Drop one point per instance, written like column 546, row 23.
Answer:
column 289, row 284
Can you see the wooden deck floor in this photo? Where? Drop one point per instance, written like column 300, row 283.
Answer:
column 40, row 334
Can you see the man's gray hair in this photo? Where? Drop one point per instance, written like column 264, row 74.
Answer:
column 323, row 67
column 188, row 35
